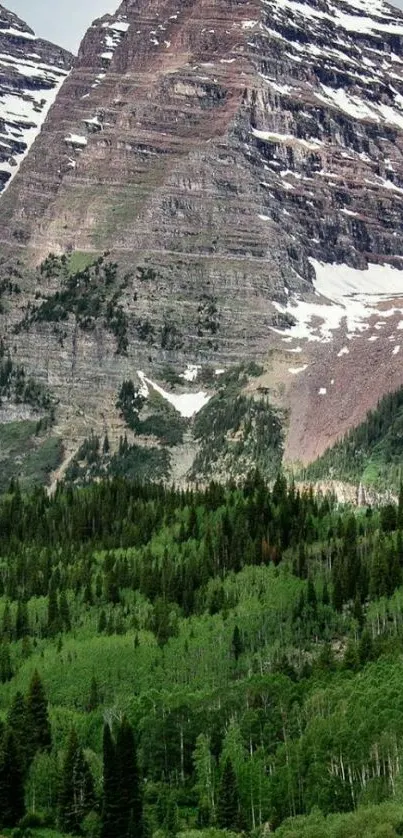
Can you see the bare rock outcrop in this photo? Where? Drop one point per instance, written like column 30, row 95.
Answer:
column 216, row 148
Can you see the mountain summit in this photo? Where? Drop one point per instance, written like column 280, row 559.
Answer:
column 242, row 163
column 31, row 73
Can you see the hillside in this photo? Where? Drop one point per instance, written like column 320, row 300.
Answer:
column 370, row 454
column 244, row 644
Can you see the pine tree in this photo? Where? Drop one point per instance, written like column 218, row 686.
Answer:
column 53, row 621
column 351, row 659
column 76, row 798
column 12, row 804
column 337, row 592
column 311, row 597
column 18, row 724
column 358, row 613
column 93, row 700
column 236, row 644
column 22, row 621
column 64, row 612
column 6, row 624
column 110, row 793
column 102, row 622
column 130, row 797
column 365, row 648
column 228, row 798
column 6, row 668
column 38, row 716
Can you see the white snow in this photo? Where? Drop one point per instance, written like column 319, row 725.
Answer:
column 117, row 26
column 396, row 350
column 349, row 298
column 322, row 391
column 363, row 24
column 93, row 121
column 296, row 370
column 219, row 372
column 187, row 404
column 23, row 118
column 287, row 139
column 76, row 139
column 191, row 372
column 360, row 109
column 18, row 33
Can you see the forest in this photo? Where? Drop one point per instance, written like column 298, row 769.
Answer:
column 210, row 662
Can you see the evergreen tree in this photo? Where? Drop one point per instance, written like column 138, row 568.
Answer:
column 6, row 668
column 64, row 612
column 22, row 621
column 6, row 624
column 311, row 597
column 358, row 613
column 93, row 700
column 110, row 793
column 337, row 592
column 53, row 621
column 76, row 798
column 130, row 797
column 18, row 724
column 236, row 644
column 351, row 659
column 102, row 622
column 38, row 716
column 228, row 798
column 365, row 648
column 12, row 804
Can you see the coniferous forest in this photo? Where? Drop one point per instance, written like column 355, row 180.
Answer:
column 199, row 663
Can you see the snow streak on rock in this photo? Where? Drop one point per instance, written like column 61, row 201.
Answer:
column 31, row 74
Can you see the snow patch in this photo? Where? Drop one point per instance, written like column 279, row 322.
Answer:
column 21, row 119
column 191, row 372
column 76, row 140
column 187, row 404
column 349, row 298
column 296, row 370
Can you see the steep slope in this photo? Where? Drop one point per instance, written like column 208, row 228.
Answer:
column 31, row 74
column 370, row 453
column 227, row 156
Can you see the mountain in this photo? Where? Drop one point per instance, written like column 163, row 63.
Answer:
column 31, row 74
column 241, row 163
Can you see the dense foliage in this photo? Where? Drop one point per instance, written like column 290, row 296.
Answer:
column 227, row 658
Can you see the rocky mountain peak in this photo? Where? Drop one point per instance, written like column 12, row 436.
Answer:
column 31, row 73
column 242, row 163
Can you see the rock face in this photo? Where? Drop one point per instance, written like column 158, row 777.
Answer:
column 222, row 150
column 31, row 74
